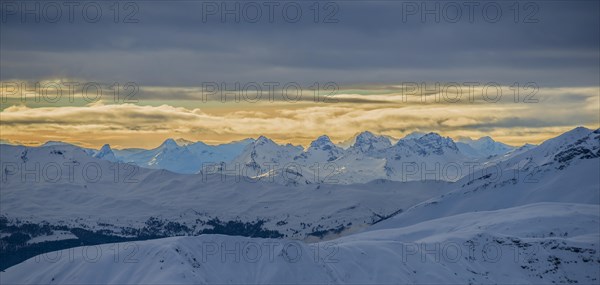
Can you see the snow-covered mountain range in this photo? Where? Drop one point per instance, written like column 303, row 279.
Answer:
column 369, row 157
column 538, row 205
column 182, row 156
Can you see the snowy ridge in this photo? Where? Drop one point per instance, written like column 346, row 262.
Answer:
column 369, row 157
column 182, row 156
column 367, row 142
column 562, row 169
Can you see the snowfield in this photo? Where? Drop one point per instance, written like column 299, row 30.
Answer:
column 540, row 243
column 526, row 215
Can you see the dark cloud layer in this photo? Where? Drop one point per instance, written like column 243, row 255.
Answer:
column 171, row 45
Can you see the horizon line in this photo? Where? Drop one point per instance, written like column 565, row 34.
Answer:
column 343, row 143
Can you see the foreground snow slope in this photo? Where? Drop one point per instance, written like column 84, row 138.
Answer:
column 537, row 243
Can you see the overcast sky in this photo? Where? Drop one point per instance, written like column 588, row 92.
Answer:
column 359, row 45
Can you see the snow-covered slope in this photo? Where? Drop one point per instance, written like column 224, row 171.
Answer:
column 530, row 215
column 534, row 244
column 562, row 169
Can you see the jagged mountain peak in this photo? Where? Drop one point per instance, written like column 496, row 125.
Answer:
column 106, row 153
column 568, row 138
column 169, row 143
column 320, row 150
column 576, row 136
column 365, row 135
column 105, row 147
column 427, row 144
column 262, row 140
column 437, row 142
column 576, row 132
column 321, row 141
column 183, row 142
column 432, row 136
column 367, row 141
